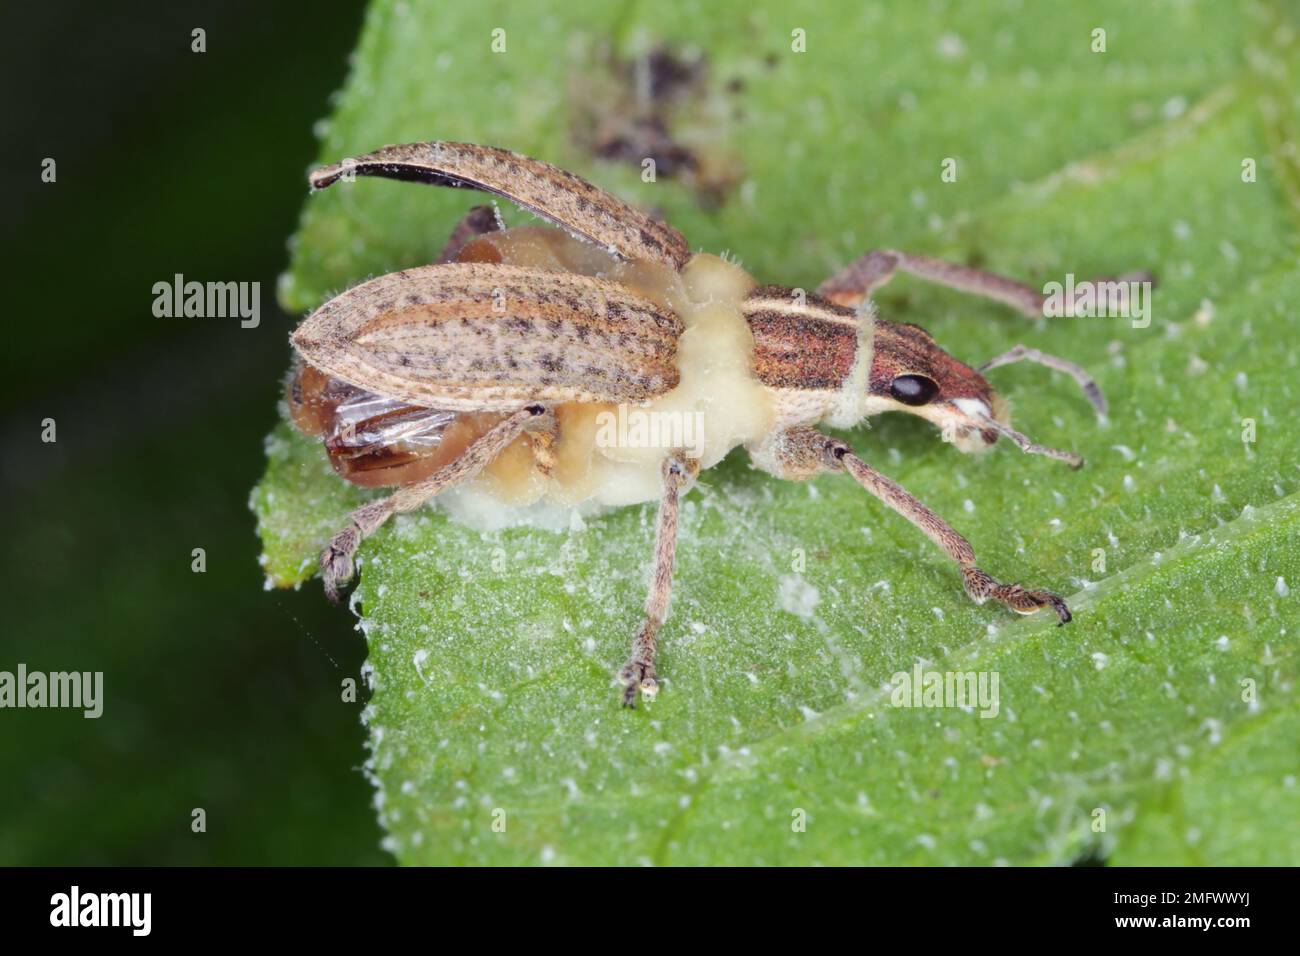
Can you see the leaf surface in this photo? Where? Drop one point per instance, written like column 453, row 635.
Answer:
column 1159, row 727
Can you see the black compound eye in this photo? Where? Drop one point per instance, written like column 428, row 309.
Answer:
column 913, row 389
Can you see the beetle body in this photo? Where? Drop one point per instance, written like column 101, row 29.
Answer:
column 602, row 364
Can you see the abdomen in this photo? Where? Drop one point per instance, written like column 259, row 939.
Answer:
column 671, row 348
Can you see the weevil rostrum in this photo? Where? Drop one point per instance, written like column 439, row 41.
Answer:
column 488, row 372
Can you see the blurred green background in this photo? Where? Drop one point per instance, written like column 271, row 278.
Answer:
column 219, row 695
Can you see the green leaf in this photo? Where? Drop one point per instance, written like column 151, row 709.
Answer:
column 1169, row 703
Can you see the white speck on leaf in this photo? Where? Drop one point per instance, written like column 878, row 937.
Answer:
column 797, row 596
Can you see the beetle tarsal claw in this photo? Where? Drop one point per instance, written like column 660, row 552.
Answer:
column 336, row 561
column 638, row 677
column 1022, row 600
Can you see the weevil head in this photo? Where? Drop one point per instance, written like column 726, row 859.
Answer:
column 910, row 373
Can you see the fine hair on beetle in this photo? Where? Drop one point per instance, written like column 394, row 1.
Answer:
column 499, row 377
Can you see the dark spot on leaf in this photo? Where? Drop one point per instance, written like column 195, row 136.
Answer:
column 659, row 108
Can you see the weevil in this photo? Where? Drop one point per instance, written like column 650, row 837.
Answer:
column 483, row 378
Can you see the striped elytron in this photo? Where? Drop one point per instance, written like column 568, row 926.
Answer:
column 491, row 374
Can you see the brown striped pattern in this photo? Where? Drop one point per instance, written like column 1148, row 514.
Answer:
column 565, row 199
column 479, row 337
column 809, row 345
column 904, row 349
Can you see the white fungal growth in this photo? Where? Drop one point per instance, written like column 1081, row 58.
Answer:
column 797, row 596
column 615, row 454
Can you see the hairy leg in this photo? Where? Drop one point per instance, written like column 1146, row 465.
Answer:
column 864, row 275
column 639, row 672
column 1023, row 353
column 336, row 559
column 803, row 452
